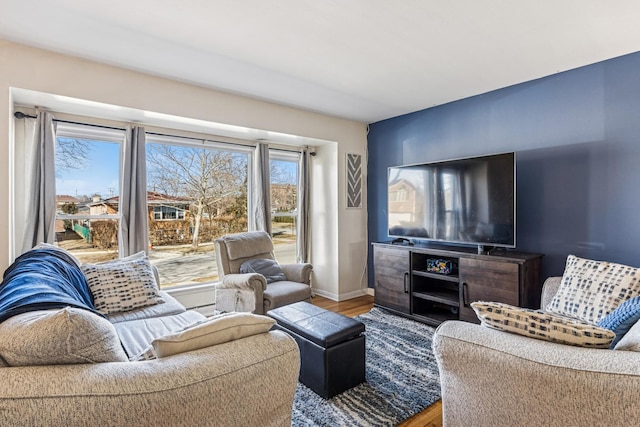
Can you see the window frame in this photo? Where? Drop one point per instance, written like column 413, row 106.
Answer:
column 101, row 134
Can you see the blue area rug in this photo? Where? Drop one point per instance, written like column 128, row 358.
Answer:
column 402, row 378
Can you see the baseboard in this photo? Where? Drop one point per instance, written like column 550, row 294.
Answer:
column 341, row 297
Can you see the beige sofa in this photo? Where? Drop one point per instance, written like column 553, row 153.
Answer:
column 493, row 378
column 246, row 381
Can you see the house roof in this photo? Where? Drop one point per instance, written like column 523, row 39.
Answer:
column 153, row 198
column 63, row 198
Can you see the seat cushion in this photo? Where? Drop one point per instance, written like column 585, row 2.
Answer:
column 285, row 292
column 170, row 307
column 137, row 335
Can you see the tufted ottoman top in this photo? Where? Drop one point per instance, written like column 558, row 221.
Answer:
column 316, row 324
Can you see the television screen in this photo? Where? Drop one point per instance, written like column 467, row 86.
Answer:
column 467, row 201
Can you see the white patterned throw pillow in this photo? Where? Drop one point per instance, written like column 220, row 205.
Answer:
column 122, row 284
column 541, row 325
column 590, row 290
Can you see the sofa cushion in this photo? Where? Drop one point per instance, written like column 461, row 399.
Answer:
column 216, row 330
column 122, row 284
column 62, row 336
column 285, row 292
column 622, row 318
column 170, row 307
column 137, row 335
column 541, row 325
column 269, row 268
column 590, row 290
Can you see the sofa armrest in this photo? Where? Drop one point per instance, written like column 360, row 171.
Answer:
column 204, row 387
column 491, row 377
column 298, row 272
column 549, row 289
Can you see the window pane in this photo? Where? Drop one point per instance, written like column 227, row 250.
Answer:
column 284, row 214
column 196, row 194
column 87, row 184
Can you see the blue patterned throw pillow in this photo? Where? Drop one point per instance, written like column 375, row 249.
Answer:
column 622, row 318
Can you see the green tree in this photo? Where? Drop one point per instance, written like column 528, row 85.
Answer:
column 71, row 209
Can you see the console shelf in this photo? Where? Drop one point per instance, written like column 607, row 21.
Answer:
column 441, row 297
column 403, row 284
column 438, row 276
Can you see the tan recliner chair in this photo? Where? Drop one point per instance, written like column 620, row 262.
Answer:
column 250, row 291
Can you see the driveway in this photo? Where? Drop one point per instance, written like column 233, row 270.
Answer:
column 179, row 269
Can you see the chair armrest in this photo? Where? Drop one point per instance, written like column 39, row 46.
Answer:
column 246, row 281
column 488, row 375
column 549, row 289
column 241, row 292
column 298, row 272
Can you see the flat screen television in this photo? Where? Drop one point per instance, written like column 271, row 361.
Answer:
column 469, row 201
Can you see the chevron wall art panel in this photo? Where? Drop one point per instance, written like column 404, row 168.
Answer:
column 354, row 180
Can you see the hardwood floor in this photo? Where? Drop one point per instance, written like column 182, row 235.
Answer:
column 430, row 417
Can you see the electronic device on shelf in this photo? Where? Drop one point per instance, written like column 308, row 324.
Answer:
column 469, row 201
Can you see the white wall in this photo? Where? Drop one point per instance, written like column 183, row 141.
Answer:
column 339, row 245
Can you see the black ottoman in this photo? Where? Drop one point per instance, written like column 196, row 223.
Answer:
column 331, row 347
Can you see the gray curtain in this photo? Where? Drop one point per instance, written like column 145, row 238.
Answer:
column 133, row 195
column 262, row 189
column 302, row 245
column 41, row 199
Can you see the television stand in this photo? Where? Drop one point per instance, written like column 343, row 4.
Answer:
column 485, row 250
column 402, row 241
column 405, row 284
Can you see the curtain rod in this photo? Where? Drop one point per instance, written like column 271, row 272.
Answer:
column 21, row 115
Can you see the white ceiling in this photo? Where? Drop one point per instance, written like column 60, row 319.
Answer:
column 365, row 60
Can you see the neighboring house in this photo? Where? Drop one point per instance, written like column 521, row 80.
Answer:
column 162, row 207
column 403, row 203
column 168, row 220
column 62, row 200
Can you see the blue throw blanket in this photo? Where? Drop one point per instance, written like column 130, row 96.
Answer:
column 43, row 279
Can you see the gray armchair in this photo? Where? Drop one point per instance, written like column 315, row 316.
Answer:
column 250, row 291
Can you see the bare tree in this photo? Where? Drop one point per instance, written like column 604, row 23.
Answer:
column 207, row 177
column 71, row 153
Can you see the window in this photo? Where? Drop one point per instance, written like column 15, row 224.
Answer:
column 284, row 200
column 197, row 192
column 161, row 213
column 87, row 188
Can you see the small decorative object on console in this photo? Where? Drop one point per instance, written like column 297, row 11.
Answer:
column 440, row 266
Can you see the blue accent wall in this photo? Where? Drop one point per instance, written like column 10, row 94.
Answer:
column 576, row 136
